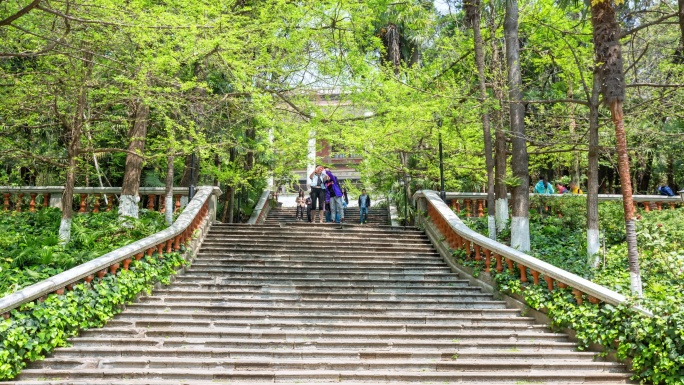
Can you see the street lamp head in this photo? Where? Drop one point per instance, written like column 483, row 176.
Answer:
column 438, row 118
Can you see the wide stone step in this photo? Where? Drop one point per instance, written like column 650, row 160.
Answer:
column 323, row 254
column 219, row 269
column 321, row 231
column 326, row 376
column 330, row 249
column 243, row 341
column 151, row 323
column 354, row 213
column 235, row 287
column 371, row 220
column 440, row 309
column 315, row 263
column 455, row 320
column 321, row 250
column 351, row 242
column 312, row 364
column 398, row 302
column 314, row 239
column 296, row 335
column 338, row 256
column 295, row 294
column 382, row 219
column 375, row 281
column 348, row 221
column 412, row 276
column 365, row 355
column 295, row 259
column 314, row 304
column 305, row 227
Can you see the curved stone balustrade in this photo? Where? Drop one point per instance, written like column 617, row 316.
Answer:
column 261, row 209
column 473, row 204
column 202, row 207
column 498, row 256
column 91, row 199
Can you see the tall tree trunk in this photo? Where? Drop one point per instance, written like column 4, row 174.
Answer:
column 679, row 53
column 187, row 173
column 499, row 135
column 217, row 164
column 168, row 198
column 68, row 195
column 593, row 242
column 646, row 173
column 608, row 54
column 250, row 133
column 473, row 18
column 520, row 224
column 576, row 176
column 229, row 202
column 393, row 47
column 74, row 130
column 228, row 205
column 671, row 173
column 128, row 203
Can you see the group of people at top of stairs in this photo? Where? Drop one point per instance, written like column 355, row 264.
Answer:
column 544, row 187
column 331, row 198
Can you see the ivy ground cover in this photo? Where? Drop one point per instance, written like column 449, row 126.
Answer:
column 654, row 344
column 30, row 250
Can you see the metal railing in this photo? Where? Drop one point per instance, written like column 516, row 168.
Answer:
column 495, row 255
column 202, row 207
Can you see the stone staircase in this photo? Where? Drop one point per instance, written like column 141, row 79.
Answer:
column 376, row 216
column 314, row 304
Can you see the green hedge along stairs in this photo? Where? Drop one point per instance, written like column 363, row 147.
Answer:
column 312, row 303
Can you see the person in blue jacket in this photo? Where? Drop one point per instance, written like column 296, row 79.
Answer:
column 543, row 187
column 665, row 190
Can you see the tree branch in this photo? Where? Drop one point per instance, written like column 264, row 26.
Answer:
column 550, row 101
column 654, row 22
column 655, row 85
column 21, row 13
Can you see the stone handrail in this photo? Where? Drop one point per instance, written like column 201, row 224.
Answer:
column 261, row 209
column 51, row 195
column 480, row 247
column 475, row 203
column 202, row 205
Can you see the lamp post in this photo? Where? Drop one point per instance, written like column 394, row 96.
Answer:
column 442, row 193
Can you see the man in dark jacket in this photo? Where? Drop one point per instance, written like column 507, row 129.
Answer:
column 364, row 204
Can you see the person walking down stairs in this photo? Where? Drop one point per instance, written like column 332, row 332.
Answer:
column 364, row 204
column 301, row 206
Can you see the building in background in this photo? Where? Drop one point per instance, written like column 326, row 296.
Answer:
column 321, row 152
